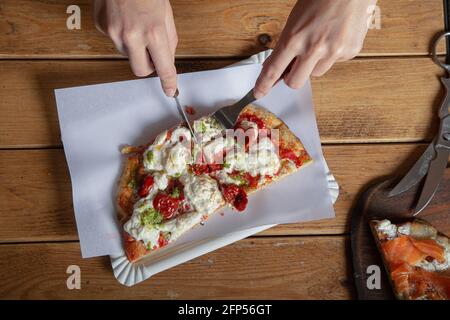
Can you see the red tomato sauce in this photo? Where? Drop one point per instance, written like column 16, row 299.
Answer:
column 251, row 118
column 286, row 153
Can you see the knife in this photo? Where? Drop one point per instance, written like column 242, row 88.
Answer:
column 184, row 115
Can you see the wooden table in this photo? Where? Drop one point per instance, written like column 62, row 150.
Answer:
column 375, row 115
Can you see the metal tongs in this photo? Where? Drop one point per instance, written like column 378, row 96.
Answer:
column 434, row 160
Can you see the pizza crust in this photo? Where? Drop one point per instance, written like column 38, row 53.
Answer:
column 270, row 120
column 133, row 173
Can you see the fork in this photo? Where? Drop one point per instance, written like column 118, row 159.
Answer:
column 228, row 115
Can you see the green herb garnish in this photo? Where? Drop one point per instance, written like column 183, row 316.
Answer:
column 226, row 165
column 151, row 217
column 240, row 179
column 149, row 156
column 132, row 184
column 175, row 193
column 203, row 127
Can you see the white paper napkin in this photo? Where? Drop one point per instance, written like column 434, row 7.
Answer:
column 97, row 120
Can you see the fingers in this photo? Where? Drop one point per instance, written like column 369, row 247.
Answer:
column 322, row 67
column 140, row 61
column 272, row 71
column 300, row 71
column 163, row 60
column 171, row 30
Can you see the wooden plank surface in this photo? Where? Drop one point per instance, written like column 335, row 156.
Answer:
column 262, row 268
column 36, row 195
column 37, row 29
column 391, row 100
column 366, row 100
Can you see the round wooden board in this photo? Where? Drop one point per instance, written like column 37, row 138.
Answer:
column 375, row 204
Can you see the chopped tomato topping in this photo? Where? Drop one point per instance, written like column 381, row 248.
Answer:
column 162, row 241
column 240, row 203
column 185, row 207
column 169, row 134
column 235, row 196
column 199, row 169
column 251, row 118
column 166, row 205
column 147, row 184
column 286, row 153
column 252, row 182
column 189, row 110
column 175, row 189
column 230, row 192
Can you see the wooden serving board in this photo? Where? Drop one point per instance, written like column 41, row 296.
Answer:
column 375, row 204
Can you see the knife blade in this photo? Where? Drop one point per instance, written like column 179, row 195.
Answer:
column 184, row 115
column 433, row 179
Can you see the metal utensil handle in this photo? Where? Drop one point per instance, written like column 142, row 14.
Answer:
column 245, row 101
column 435, row 56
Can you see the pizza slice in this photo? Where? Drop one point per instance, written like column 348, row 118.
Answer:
column 170, row 185
column 416, row 257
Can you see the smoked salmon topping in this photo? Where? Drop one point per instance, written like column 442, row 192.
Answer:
column 412, row 251
column 403, row 254
column 417, row 283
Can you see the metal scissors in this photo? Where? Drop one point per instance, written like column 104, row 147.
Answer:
column 434, row 160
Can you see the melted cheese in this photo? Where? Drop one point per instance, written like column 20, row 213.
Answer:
column 261, row 159
column 207, row 128
column 171, row 155
column 203, row 193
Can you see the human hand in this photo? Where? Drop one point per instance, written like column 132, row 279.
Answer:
column 144, row 30
column 317, row 34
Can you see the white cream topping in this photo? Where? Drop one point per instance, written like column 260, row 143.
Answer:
column 171, row 155
column 387, row 228
column 160, row 180
column 261, row 159
column 203, row 193
column 207, row 128
column 213, row 150
column 404, row 229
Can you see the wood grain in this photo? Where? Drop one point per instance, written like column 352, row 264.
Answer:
column 37, row 29
column 36, row 196
column 263, row 268
column 391, row 100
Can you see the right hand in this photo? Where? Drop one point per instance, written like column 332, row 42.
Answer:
column 143, row 30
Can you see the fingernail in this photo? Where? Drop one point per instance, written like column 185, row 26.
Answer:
column 169, row 92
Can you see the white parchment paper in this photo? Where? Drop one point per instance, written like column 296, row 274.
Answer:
column 97, row 120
